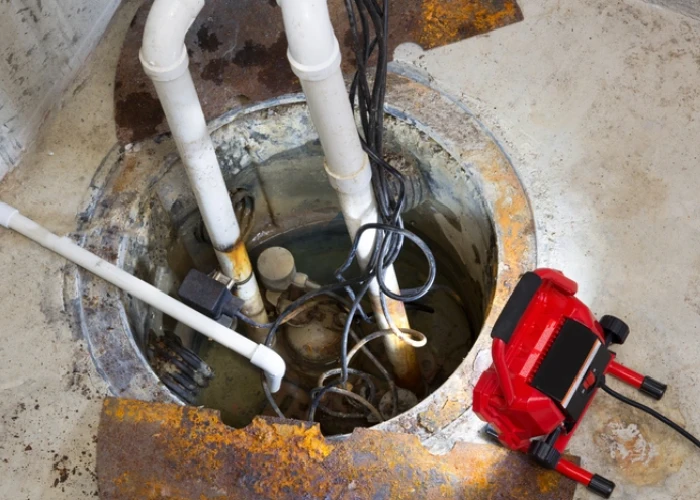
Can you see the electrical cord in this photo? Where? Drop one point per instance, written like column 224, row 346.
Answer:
column 365, row 377
column 243, row 206
column 289, row 315
column 268, row 395
column 359, row 373
column 409, row 295
column 327, row 290
column 385, row 373
column 658, row 416
column 369, row 23
column 349, row 394
column 360, row 345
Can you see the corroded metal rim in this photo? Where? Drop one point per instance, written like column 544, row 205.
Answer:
column 113, row 204
column 187, row 453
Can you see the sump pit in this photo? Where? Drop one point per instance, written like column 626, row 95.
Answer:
column 450, row 316
column 271, row 151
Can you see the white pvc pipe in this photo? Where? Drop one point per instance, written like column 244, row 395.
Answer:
column 360, row 209
column 315, row 58
column 184, row 114
column 164, row 58
column 164, row 35
column 259, row 355
column 314, row 55
column 310, row 34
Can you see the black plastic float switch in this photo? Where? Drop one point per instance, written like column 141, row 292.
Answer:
column 208, row 296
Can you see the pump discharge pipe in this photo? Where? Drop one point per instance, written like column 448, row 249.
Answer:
column 259, row 355
column 314, row 55
column 165, row 60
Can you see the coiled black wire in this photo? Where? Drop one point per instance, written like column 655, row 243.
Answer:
column 369, row 24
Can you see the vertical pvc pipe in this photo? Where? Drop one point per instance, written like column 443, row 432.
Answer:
column 315, row 58
column 164, row 58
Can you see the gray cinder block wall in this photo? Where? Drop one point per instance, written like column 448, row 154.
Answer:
column 688, row 7
column 43, row 43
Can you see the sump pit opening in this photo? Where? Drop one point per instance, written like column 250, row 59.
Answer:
column 481, row 220
column 295, row 207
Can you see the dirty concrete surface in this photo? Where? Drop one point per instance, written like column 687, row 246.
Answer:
column 235, row 60
column 688, row 7
column 595, row 101
column 43, row 44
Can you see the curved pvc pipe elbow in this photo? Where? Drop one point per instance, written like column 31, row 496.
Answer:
column 163, row 53
column 272, row 364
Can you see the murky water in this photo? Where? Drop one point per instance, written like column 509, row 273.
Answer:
column 318, row 252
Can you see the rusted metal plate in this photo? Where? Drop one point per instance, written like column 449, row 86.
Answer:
column 156, row 450
column 238, row 51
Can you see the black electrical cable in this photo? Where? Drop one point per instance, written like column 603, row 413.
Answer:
column 323, row 291
column 245, row 319
column 293, row 307
column 359, row 345
column 269, row 397
column 658, row 416
column 316, row 395
column 409, row 295
column 362, row 375
column 369, row 25
column 365, row 377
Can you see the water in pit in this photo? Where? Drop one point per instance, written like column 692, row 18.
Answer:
column 236, row 390
column 274, row 154
column 292, row 191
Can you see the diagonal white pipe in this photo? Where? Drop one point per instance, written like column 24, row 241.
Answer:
column 164, row 59
column 259, row 355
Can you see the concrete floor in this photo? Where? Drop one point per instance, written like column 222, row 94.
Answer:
column 596, row 103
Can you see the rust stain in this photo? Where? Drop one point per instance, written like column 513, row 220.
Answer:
column 155, row 450
column 447, row 21
column 397, row 310
column 242, row 268
column 235, row 58
column 402, row 355
column 141, row 109
column 546, row 482
column 125, row 180
column 511, row 210
column 643, row 450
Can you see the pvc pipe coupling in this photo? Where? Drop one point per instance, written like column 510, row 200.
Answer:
column 314, row 52
column 169, row 73
column 316, row 72
column 6, row 214
column 163, row 54
column 353, row 184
